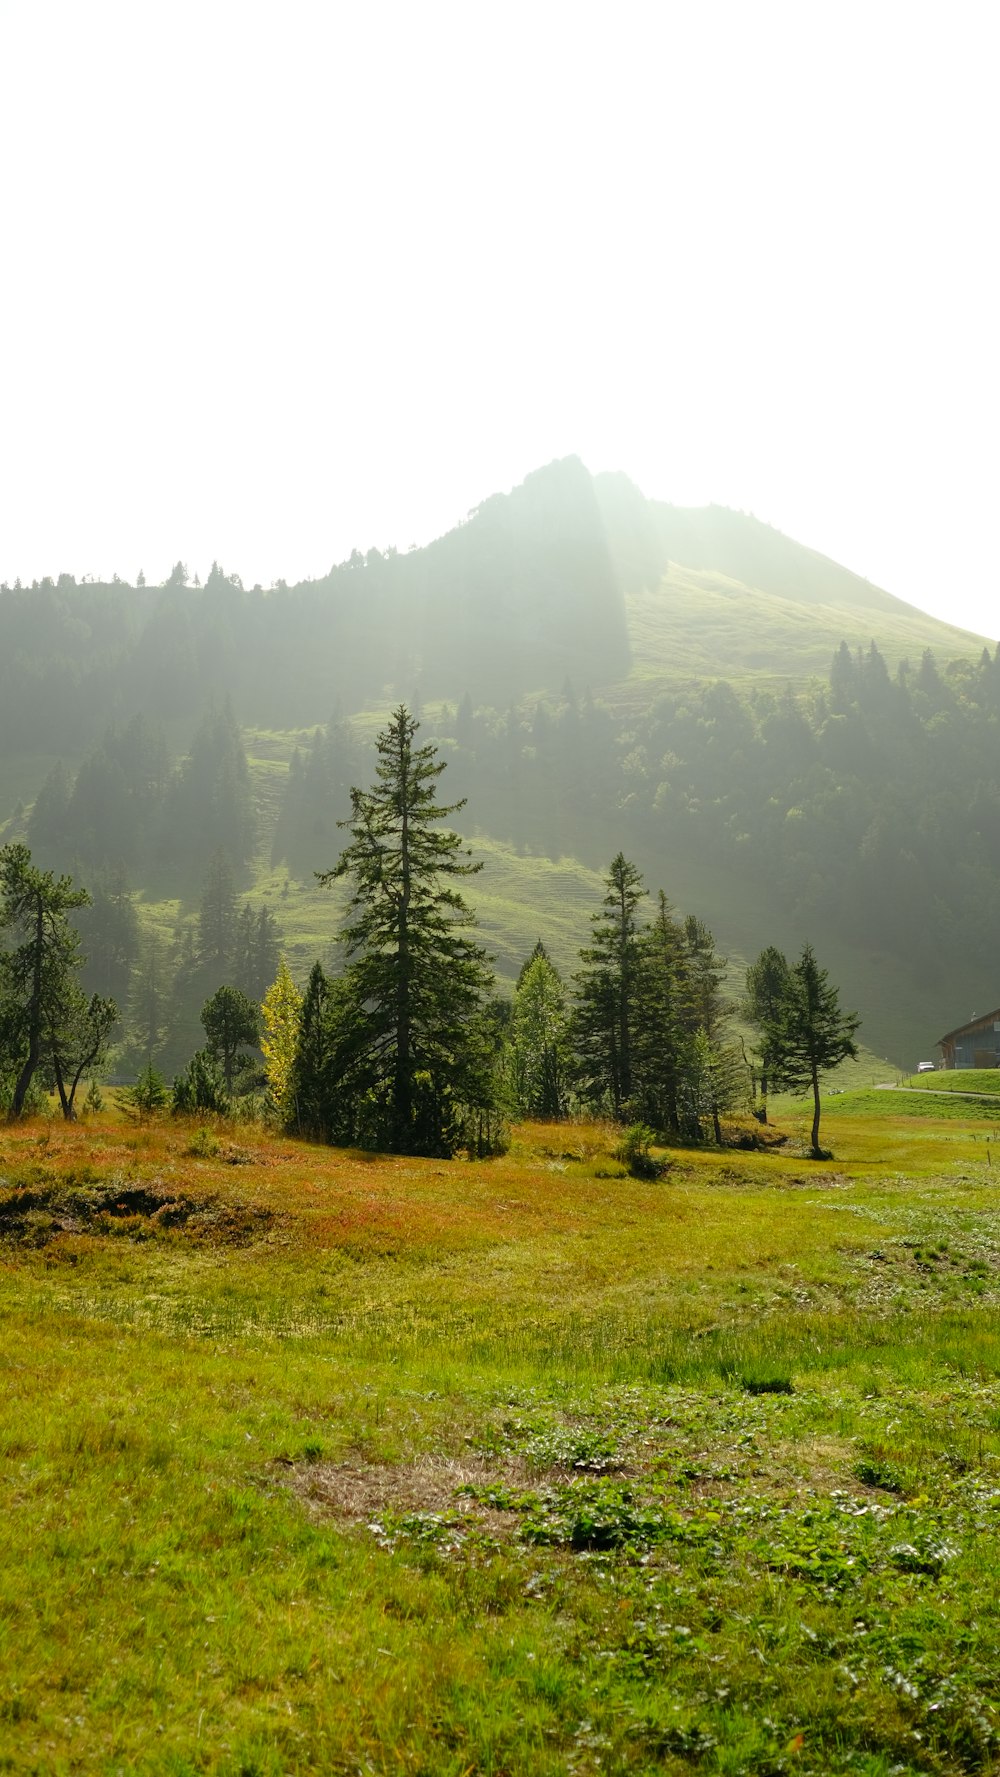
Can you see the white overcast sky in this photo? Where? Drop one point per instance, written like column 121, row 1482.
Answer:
column 282, row 279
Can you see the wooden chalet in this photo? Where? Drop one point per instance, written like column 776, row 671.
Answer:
column 976, row 1044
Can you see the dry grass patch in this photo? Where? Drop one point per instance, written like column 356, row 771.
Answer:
column 361, row 1493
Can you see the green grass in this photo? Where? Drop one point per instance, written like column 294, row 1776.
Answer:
column 974, row 1079
column 334, row 1463
column 701, row 624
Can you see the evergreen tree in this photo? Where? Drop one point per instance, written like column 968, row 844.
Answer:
column 36, row 976
column 232, row 1024
column 603, row 1025
column 712, row 1079
column 310, row 1067
column 149, row 998
column 266, row 953
column 217, row 919
column 109, row 930
column 766, row 986
column 705, row 1010
column 662, row 998
column 808, row 1033
column 415, row 979
column 538, row 1040
column 47, row 828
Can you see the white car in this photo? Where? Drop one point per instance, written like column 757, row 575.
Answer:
column 925, row 1067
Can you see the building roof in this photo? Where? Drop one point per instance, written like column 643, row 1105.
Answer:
column 972, row 1024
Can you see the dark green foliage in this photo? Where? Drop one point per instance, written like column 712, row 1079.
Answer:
column 257, row 950
column 635, row 1151
column 217, row 915
column 805, row 1032
column 406, row 1050
column 313, row 1096
column 317, row 797
column 232, row 1025
column 604, row 1021
column 78, row 1034
column 201, row 1086
column 538, row 1044
column 38, row 972
column 662, row 994
column 648, row 1029
column 766, row 986
column 109, row 933
column 209, row 807
column 150, row 1092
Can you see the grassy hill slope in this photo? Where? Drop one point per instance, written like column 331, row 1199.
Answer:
column 708, row 594
column 699, row 623
column 331, row 1462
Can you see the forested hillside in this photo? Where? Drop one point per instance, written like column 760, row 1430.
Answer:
column 780, row 744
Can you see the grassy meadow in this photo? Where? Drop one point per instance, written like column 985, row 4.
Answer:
column 317, row 1461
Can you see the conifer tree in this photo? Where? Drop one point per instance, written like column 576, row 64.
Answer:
column 766, row 984
column 415, row 980
column 604, row 1021
column 39, row 973
column 808, row 1033
column 661, row 1001
column 538, row 1039
column 310, row 1067
column 217, row 916
column 232, row 1024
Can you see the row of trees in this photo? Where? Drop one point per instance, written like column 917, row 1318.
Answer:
column 408, row 1048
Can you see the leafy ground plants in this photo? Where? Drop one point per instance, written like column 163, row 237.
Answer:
column 323, row 1462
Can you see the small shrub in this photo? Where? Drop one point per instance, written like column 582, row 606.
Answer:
column 150, row 1092
column 203, row 1145
column 879, row 1474
column 634, row 1151
column 200, row 1087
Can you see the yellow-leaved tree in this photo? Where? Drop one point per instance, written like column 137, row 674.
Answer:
column 281, row 1008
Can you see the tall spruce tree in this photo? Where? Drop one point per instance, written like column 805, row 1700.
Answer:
column 538, row 1039
column 808, row 1033
column 766, row 985
column 415, row 979
column 604, row 1021
column 661, row 1000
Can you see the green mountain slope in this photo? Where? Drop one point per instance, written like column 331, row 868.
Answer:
column 862, row 811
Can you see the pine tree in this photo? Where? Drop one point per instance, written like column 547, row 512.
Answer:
column 808, row 1033
column 78, row 1035
column 38, row 975
column 310, row 1066
column 661, row 997
column 766, row 985
column 217, row 918
column 255, row 950
column 415, row 979
column 705, row 1008
column 232, row 1024
column 538, row 1040
column 603, row 1025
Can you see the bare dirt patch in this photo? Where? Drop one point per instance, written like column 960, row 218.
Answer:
column 363, row 1493
column 37, row 1213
